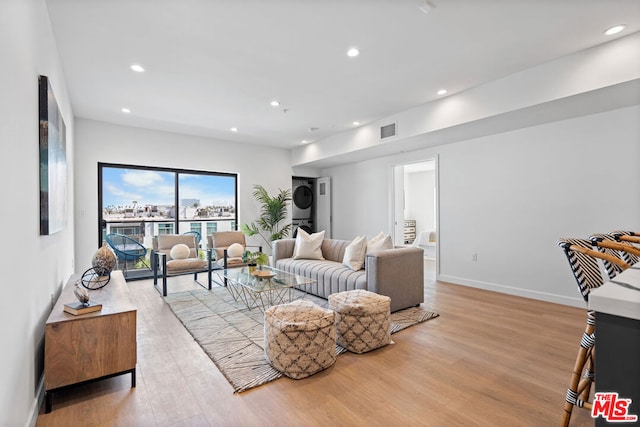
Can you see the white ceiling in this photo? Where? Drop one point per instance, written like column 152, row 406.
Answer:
column 216, row 64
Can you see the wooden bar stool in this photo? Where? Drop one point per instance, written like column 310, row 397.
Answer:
column 583, row 260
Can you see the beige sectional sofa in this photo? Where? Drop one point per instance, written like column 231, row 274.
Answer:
column 397, row 273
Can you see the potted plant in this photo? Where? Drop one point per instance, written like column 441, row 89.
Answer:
column 254, row 259
column 273, row 211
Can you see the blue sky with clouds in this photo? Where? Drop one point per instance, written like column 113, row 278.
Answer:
column 121, row 186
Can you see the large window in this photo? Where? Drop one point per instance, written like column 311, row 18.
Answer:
column 142, row 202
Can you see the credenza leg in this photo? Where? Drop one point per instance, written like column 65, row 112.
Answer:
column 133, row 377
column 47, row 401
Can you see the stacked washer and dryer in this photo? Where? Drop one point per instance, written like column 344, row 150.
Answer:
column 303, row 204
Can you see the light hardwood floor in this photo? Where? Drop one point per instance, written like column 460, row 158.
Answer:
column 489, row 360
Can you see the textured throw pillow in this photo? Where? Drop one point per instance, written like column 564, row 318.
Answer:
column 354, row 253
column 308, row 246
column 379, row 243
column 180, row 251
column 235, row 250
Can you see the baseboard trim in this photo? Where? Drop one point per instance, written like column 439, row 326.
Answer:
column 510, row 290
column 37, row 403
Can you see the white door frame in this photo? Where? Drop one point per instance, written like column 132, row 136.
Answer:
column 397, row 202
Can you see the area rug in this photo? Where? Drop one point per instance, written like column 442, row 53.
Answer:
column 232, row 336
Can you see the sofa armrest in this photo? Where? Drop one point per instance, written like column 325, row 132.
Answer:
column 281, row 249
column 397, row 273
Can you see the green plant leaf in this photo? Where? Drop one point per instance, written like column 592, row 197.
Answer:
column 273, row 211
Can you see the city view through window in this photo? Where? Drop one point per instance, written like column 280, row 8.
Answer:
column 142, row 202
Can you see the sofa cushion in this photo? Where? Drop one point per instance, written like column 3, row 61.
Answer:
column 354, row 253
column 308, row 246
column 331, row 276
column 379, row 243
column 185, row 265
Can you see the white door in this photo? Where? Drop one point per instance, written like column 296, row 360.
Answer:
column 398, row 205
column 323, row 206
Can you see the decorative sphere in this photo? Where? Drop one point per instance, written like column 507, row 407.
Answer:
column 235, row 250
column 103, row 261
column 180, row 251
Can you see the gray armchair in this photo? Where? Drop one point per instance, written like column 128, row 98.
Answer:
column 220, row 242
column 164, row 265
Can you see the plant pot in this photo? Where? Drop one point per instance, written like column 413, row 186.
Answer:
column 252, row 267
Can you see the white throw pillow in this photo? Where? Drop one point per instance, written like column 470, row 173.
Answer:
column 180, row 251
column 308, row 246
column 235, row 250
column 355, row 252
column 379, row 243
column 376, row 238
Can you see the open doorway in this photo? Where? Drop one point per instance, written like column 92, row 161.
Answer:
column 415, row 206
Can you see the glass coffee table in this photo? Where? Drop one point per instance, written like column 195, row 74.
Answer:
column 263, row 287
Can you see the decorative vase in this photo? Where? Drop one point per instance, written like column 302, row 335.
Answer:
column 81, row 294
column 103, row 261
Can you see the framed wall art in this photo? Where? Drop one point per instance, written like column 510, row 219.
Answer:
column 53, row 162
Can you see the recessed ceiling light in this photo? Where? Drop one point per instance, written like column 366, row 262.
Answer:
column 125, row 110
column 442, row 92
column 615, row 30
column 356, row 123
column 275, row 103
column 353, row 52
column 304, row 141
column 234, row 129
column 137, row 68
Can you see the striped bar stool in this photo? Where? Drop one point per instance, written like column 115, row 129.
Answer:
column 583, row 260
column 630, row 238
column 607, row 244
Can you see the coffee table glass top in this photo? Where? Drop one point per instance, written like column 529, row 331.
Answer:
column 264, row 279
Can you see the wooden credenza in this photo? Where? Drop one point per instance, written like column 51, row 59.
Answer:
column 90, row 346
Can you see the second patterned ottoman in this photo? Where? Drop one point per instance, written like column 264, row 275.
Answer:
column 362, row 320
column 299, row 338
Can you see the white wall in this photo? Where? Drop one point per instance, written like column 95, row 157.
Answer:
column 419, row 200
column 509, row 196
column 109, row 143
column 560, row 89
column 32, row 266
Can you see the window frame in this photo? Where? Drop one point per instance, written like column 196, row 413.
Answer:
column 176, row 200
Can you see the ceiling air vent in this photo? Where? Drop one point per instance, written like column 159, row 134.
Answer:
column 388, row 131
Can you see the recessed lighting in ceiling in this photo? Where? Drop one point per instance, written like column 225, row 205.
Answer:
column 356, row 123
column 125, row 110
column 137, row 68
column 353, row 52
column 234, row 129
column 275, row 103
column 615, row 30
column 304, row 141
column 442, row 92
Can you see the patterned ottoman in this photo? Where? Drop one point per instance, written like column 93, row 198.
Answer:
column 299, row 338
column 362, row 320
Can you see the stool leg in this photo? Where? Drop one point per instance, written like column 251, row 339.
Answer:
column 575, row 385
column 589, row 376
